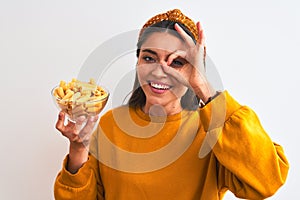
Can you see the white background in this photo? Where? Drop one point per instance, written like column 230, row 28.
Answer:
column 254, row 45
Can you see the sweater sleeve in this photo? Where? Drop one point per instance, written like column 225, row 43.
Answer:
column 249, row 164
column 84, row 185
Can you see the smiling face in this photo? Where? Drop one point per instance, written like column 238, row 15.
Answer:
column 159, row 86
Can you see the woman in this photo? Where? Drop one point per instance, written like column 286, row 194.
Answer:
column 177, row 138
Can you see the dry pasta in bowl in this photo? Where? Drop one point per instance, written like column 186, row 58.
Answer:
column 80, row 99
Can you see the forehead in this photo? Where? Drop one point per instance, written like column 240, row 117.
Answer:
column 163, row 41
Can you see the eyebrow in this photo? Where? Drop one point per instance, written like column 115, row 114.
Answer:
column 153, row 52
column 149, row 51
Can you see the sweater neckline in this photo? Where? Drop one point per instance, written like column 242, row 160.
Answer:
column 161, row 119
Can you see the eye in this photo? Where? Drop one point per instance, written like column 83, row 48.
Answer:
column 148, row 59
column 177, row 63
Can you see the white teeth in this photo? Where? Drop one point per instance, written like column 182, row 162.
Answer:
column 159, row 86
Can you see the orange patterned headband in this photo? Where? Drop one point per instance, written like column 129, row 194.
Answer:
column 174, row 15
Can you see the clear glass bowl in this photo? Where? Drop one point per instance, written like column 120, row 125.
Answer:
column 80, row 110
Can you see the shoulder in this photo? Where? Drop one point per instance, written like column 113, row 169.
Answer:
column 116, row 113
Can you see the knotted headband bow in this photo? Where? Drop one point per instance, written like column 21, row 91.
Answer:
column 176, row 16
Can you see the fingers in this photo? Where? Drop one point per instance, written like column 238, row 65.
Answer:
column 174, row 55
column 188, row 39
column 68, row 130
column 201, row 35
column 60, row 122
column 184, row 35
column 74, row 131
column 201, row 40
column 88, row 128
column 195, row 51
column 175, row 74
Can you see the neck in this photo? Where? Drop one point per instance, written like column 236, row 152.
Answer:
column 162, row 110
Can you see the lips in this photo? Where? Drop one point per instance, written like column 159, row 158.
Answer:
column 159, row 86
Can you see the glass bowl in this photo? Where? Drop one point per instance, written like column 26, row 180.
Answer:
column 79, row 108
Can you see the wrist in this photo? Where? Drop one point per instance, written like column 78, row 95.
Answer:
column 204, row 90
column 77, row 157
column 205, row 93
column 208, row 100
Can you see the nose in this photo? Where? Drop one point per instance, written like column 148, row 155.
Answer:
column 158, row 70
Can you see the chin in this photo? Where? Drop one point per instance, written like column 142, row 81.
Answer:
column 155, row 101
column 160, row 99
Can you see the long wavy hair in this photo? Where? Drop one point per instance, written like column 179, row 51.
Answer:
column 189, row 100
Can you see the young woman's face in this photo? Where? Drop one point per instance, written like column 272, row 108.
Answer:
column 159, row 86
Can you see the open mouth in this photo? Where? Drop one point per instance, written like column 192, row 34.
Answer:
column 159, row 86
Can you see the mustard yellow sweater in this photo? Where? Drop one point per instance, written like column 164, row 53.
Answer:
column 193, row 155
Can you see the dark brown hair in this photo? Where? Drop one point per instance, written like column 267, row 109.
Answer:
column 189, row 100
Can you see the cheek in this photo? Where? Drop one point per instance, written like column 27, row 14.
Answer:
column 142, row 73
column 186, row 71
column 182, row 90
column 179, row 89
